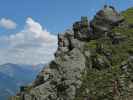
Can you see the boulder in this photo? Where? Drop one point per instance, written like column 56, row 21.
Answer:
column 117, row 38
column 82, row 29
column 75, row 43
column 105, row 19
column 86, row 67
column 63, row 78
column 64, row 44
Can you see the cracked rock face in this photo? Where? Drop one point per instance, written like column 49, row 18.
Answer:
column 60, row 79
column 93, row 61
column 105, row 20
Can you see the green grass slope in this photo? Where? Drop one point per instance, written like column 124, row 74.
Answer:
column 110, row 77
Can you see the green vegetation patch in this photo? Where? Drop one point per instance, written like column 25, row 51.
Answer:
column 111, row 84
column 128, row 15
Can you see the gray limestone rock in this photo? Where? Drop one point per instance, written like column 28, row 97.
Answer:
column 60, row 79
column 78, row 54
column 82, row 29
column 105, row 20
column 75, row 43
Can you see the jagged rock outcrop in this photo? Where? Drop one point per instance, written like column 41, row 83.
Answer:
column 105, row 20
column 82, row 30
column 93, row 61
column 60, row 78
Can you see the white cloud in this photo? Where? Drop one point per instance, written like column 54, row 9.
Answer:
column 32, row 45
column 7, row 23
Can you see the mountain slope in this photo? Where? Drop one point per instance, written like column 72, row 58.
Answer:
column 7, row 86
column 93, row 61
column 12, row 76
column 115, row 82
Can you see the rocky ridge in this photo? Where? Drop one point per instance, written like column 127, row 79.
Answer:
column 93, row 61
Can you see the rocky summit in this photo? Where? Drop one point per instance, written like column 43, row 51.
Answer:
column 93, row 61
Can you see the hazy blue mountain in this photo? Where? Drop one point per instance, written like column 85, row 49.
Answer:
column 12, row 76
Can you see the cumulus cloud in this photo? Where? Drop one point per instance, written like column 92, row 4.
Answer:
column 7, row 23
column 32, row 45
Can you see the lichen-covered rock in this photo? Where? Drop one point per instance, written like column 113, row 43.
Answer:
column 82, row 29
column 60, row 79
column 64, row 42
column 91, row 62
column 105, row 20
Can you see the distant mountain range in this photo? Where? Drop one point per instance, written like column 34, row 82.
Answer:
column 12, row 76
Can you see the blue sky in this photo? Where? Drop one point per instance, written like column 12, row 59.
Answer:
column 28, row 28
column 55, row 15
